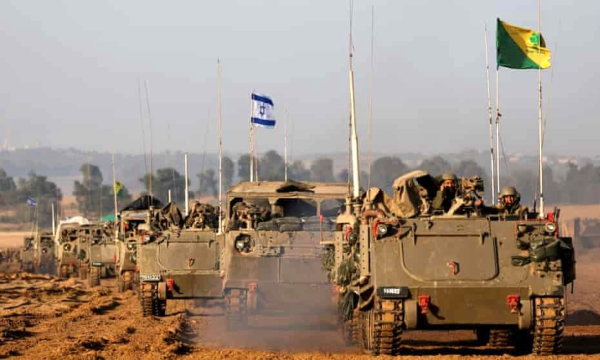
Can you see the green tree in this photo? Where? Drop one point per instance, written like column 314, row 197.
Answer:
column 243, row 167
column 208, row 183
column 88, row 192
column 271, row 167
column 7, row 189
column 322, row 170
column 228, row 172
column 44, row 192
column 435, row 166
column 385, row 170
column 297, row 171
column 166, row 179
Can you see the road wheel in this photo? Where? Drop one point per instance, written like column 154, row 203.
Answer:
column 83, row 271
column 64, row 272
column 127, row 283
column 95, row 276
column 500, row 338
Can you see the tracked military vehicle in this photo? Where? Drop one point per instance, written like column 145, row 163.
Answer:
column 45, row 263
column 67, row 247
column 98, row 252
column 401, row 266
column 27, row 254
column 274, row 243
column 134, row 228
column 180, row 258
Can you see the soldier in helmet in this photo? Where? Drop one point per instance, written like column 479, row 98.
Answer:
column 510, row 202
column 446, row 193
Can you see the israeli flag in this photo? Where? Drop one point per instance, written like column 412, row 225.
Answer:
column 262, row 111
column 31, row 202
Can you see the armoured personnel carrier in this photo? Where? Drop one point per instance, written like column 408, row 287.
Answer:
column 67, row 247
column 401, row 266
column 98, row 252
column 45, row 263
column 274, row 242
column 27, row 254
column 180, row 258
column 134, row 220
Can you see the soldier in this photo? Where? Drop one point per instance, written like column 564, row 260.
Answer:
column 510, row 202
column 446, row 193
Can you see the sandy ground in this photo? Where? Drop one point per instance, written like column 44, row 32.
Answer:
column 45, row 318
column 12, row 238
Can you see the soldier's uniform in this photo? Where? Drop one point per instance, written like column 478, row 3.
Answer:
column 443, row 200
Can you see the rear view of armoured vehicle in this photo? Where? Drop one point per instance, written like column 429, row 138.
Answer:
column 67, row 247
column 274, row 246
column 134, row 228
column 27, row 254
column 180, row 258
column 45, row 263
column 401, row 265
column 98, row 252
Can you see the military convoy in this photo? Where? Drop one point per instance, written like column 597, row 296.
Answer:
column 400, row 266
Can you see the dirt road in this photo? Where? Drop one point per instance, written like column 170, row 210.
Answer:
column 45, row 318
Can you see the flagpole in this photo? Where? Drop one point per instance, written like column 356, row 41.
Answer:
column 53, row 221
column 251, row 142
column 285, row 151
column 220, row 148
column 354, row 136
column 498, row 132
column 151, row 138
column 187, row 188
column 540, row 130
column 114, row 176
column 489, row 99
column 371, row 97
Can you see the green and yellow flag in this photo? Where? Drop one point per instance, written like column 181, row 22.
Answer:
column 118, row 187
column 520, row 48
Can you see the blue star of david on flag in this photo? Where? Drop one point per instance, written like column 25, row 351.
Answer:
column 262, row 111
column 31, row 202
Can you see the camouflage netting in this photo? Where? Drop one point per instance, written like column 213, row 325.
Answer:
column 202, row 216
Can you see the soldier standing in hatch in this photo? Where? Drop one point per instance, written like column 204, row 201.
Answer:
column 510, row 202
column 447, row 192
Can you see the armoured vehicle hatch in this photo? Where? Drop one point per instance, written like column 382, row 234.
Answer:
column 274, row 242
column 503, row 276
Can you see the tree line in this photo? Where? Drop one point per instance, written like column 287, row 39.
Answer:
column 94, row 197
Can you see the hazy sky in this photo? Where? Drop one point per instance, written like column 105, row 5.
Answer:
column 69, row 72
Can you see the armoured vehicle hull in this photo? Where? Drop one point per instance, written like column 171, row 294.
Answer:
column 134, row 228
column 179, row 264
column 97, row 260
column 502, row 276
column 45, row 262
column 27, row 254
column 274, row 244
column 67, row 247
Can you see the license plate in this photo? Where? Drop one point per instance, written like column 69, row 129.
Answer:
column 393, row 292
column 150, row 277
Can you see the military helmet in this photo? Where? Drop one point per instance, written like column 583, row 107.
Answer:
column 509, row 191
column 449, row 176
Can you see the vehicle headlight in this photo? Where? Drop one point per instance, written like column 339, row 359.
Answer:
column 130, row 246
column 240, row 244
column 382, row 229
column 67, row 247
column 550, row 228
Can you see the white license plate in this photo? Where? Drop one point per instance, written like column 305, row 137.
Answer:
column 151, row 277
